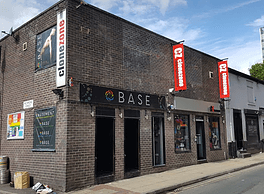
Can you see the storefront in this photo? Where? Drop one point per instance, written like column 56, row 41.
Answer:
column 99, row 107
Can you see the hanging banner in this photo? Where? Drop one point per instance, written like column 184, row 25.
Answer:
column 44, row 129
column 61, row 49
column 223, row 79
column 15, row 125
column 179, row 67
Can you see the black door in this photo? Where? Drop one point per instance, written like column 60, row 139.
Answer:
column 131, row 145
column 238, row 129
column 201, row 150
column 253, row 142
column 104, row 147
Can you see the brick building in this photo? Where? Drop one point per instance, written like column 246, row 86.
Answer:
column 116, row 118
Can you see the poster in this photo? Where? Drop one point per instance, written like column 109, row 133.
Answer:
column 46, row 48
column 15, row 125
column 44, row 129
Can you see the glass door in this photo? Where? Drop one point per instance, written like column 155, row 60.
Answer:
column 158, row 140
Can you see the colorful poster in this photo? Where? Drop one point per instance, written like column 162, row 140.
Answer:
column 179, row 67
column 15, row 125
column 223, row 79
column 46, row 49
column 44, row 129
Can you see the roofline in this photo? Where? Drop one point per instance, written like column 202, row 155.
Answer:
column 112, row 15
column 233, row 71
column 124, row 20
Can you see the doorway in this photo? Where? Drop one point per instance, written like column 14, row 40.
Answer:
column 104, row 145
column 158, row 139
column 238, row 129
column 253, row 141
column 200, row 138
column 131, row 143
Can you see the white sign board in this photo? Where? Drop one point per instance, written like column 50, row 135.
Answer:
column 28, row 104
column 61, row 49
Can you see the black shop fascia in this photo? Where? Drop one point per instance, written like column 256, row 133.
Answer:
column 108, row 96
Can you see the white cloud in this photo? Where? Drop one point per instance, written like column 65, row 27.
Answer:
column 164, row 4
column 175, row 28
column 225, row 9
column 240, row 56
column 105, row 4
column 15, row 13
column 239, row 5
column 129, row 7
column 137, row 6
column 258, row 22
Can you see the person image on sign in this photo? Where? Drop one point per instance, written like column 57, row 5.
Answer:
column 48, row 43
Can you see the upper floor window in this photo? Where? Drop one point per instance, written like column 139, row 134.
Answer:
column 250, row 92
column 46, row 49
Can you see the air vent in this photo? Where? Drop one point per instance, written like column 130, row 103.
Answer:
column 25, row 46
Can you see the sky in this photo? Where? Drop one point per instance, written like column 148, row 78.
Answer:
column 223, row 29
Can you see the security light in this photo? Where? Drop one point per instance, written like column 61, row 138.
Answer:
column 58, row 92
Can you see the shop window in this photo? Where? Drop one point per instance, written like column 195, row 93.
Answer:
column 182, row 133
column 214, row 133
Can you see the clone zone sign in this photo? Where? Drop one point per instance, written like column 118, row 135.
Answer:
column 61, row 49
column 223, row 79
column 179, row 67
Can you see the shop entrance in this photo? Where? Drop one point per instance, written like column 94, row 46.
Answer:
column 238, row 129
column 200, row 138
column 158, row 139
column 253, row 142
column 104, row 145
column 131, row 143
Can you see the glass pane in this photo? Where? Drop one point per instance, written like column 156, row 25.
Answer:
column 181, row 133
column 158, row 141
column 214, row 133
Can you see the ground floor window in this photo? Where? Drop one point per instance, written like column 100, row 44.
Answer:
column 158, row 139
column 214, row 133
column 182, row 133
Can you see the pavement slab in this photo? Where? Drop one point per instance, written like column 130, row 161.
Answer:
column 163, row 181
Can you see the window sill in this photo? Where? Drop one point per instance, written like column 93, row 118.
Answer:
column 182, row 152
column 215, row 149
column 160, row 165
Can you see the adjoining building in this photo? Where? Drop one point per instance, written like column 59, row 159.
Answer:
column 85, row 100
column 244, row 114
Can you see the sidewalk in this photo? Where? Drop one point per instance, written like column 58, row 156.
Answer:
column 160, row 182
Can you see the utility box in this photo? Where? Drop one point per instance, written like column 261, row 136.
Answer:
column 21, row 180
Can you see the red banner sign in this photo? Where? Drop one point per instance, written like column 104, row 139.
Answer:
column 179, row 67
column 223, row 79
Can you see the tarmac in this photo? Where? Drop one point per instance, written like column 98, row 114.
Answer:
column 161, row 182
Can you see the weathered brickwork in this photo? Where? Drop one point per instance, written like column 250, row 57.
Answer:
column 19, row 83
column 106, row 51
